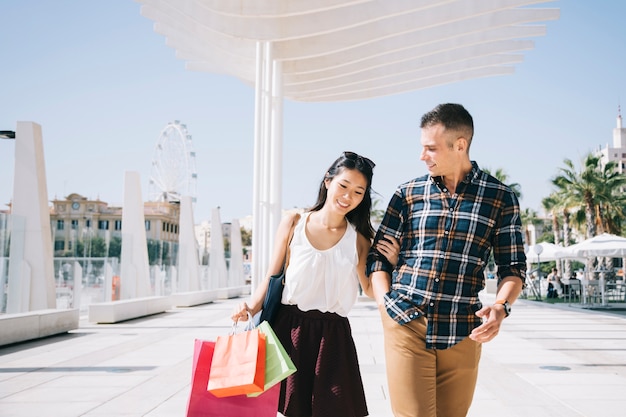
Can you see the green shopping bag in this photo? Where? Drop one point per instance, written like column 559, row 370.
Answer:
column 278, row 364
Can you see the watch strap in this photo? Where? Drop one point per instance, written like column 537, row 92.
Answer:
column 506, row 305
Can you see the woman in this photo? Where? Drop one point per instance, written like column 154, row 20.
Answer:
column 326, row 249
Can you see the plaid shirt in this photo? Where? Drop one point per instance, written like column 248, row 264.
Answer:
column 445, row 244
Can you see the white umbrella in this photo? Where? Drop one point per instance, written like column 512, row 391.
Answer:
column 546, row 252
column 601, row 245
column 605, row 245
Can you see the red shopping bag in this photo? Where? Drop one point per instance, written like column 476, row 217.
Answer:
column 238, row 365
column 204, row 404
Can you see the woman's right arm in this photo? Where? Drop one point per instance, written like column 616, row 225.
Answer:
column 281, row 241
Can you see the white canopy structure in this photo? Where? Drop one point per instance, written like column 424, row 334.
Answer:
column 338, row 50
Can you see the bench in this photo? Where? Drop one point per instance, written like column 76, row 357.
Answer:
column 233, row 292
column 120, row 310
column 19, row 327
column 194, row 298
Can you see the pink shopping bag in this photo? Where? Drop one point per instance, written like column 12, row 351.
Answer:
column 204, row 404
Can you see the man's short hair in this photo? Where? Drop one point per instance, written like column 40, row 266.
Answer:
column 452, row 116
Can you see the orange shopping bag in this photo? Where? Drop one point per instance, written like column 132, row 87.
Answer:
column 238, row 365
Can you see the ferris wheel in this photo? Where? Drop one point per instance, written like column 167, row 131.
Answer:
column 173, row 165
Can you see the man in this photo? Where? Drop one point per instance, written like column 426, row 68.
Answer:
column 447, row 222
column 555, row 289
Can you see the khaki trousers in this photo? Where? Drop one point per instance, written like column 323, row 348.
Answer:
column 428, row 382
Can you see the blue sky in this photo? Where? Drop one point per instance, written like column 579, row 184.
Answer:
column 103, row 85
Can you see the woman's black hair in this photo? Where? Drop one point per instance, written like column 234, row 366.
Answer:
column 360, row 215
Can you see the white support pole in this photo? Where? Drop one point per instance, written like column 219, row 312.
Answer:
column 276, row 157
column 266, row 161
column 267, row 190
column 256, row 273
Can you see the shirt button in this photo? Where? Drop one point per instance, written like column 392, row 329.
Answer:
column 436, row 279
column 451, row 209
column 432, row 304
column 446, row 232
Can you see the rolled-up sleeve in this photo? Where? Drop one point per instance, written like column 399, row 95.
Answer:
column 391, row 225
column 508, row 247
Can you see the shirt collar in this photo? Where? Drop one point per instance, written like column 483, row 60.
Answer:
column 469, row 178
column 473, row 174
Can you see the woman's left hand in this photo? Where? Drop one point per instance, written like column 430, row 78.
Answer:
column 240, row 313
column 390, row 247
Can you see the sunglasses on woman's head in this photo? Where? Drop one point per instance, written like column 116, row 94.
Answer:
column 358, row 158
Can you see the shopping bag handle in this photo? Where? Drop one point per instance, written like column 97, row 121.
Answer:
column 249, row 325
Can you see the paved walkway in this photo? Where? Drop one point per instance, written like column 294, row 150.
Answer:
column 548, row 361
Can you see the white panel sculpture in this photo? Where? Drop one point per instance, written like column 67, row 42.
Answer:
column 217, row 262
column 135, row 273
column 188, row 261
column 235, row 271
column 31, row 272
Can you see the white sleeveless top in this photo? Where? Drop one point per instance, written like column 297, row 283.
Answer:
column 324, row 280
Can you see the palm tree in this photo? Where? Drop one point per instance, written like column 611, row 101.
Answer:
column 610, row 203
column 597, row 188
column 552, row 205
column 529, row 217
column 558, row 203
column 581, row 187
column 610, row 199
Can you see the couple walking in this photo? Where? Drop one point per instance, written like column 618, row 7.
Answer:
column 423, row 266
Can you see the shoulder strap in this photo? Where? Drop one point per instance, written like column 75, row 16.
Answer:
column 296, row 219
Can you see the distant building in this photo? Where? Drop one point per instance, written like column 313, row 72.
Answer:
column 203, row 236
column 617, row 152
column 77, row 218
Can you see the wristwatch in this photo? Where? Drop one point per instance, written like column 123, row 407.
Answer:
column 506, row 305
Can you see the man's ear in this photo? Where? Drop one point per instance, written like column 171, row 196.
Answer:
column 461, row 144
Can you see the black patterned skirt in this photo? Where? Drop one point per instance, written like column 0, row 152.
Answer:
column 328, row 381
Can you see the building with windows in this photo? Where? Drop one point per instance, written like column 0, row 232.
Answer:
column 78, row 219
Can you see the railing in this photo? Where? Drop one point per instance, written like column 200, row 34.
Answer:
column 99, row 281
column 592, row 292
column 81, row 281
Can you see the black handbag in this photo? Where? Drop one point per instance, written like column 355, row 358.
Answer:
column 273, row 296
